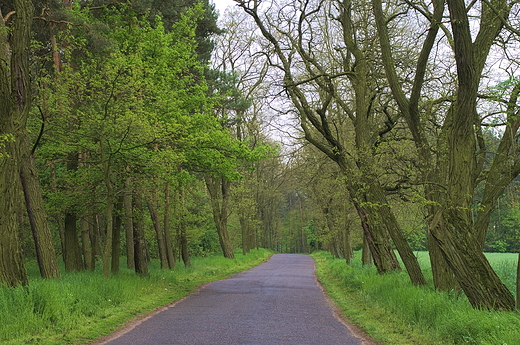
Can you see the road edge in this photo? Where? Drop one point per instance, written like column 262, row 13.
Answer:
column 356, row 330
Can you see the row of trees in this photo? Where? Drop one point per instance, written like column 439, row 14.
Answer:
column 400, row 96
column 125, row 141
column 111, row 117
column 130, row 144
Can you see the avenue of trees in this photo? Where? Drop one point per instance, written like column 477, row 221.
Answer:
column 406, row 96
column 112, row 126
column 148, row 129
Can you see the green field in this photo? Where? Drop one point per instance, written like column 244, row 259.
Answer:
column 394, row 311
column 81, row 307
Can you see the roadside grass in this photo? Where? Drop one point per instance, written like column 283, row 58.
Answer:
column 81, row 307
column 393, row 311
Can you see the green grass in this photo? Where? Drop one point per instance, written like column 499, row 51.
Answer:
column 80, row 307
column 394, row 311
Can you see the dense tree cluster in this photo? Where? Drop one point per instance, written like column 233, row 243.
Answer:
column 111, row 128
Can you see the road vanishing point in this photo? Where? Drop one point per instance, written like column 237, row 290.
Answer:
column 278, row 302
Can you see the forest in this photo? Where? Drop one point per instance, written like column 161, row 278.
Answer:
column 146, row 129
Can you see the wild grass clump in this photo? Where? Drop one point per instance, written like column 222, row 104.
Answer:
column 80, row 307
column 397, row 312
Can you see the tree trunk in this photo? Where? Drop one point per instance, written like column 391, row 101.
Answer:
column 167, row 236
column 244, row 227
column 140, row 251
column 366, row 255
column 106, row 162
column 346, row 243
column 219, row 192
column 443, row 277
column 129, row 228
column 183, row 239
column 378, row 243
column 387, row 218
column 116, row 241
column 58, row 216
column 15, row 102
column 518, row 284
column 12, row 268
column 152, row 203
column 473, row 271
column 95, row 239
column 459, row 244
column 90, row 262
column 45, row 253
column 72, row 256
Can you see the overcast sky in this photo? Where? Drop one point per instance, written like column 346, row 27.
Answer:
column 221, row 5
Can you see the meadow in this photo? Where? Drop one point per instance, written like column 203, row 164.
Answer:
column 83, row 306
column 393, row 311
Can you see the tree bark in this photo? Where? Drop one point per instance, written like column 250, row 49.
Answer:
column 129, row 228
column 347, row 245
column 366, row 255
column 518, row 284
column 106, row 162
column 116, row 241
column 15, row 101
column 476, row 277
column 245, row 230
column 88, row 253
column 378, row 243
column 45, row 252
column 452, row 226
column 167, row 236
column 183, row 239
column 473, row 271
column 152, row 203
column 95, row 239
column 387, row 218
column 72, row 256
column 219, row 192
column 140, row 250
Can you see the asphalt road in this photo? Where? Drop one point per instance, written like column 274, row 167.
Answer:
column 276, row 303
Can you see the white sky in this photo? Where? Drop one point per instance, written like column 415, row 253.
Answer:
column 221, row 5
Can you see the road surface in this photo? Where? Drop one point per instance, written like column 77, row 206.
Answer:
column 276, row 303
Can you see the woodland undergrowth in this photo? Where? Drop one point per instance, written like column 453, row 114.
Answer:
column 393, row 311
column 82, row 306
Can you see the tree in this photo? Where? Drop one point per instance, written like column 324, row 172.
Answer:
column 239, row 75
column 458, row 169
column 15, row 94
column 317, row 81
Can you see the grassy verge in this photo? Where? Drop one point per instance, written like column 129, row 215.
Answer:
column 393, row 311
column 81, row 307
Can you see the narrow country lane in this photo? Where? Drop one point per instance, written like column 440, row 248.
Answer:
column 276, row 303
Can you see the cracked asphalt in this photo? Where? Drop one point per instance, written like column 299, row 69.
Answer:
column 276, row 303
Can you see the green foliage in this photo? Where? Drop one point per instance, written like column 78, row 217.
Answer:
column 394, row 311
column 132, row 100
column 83, row 306
column 504, row 232
column 498, row 246
column 504, row 88
column 311, row 235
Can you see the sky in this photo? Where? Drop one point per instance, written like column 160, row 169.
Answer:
column 221, row 5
